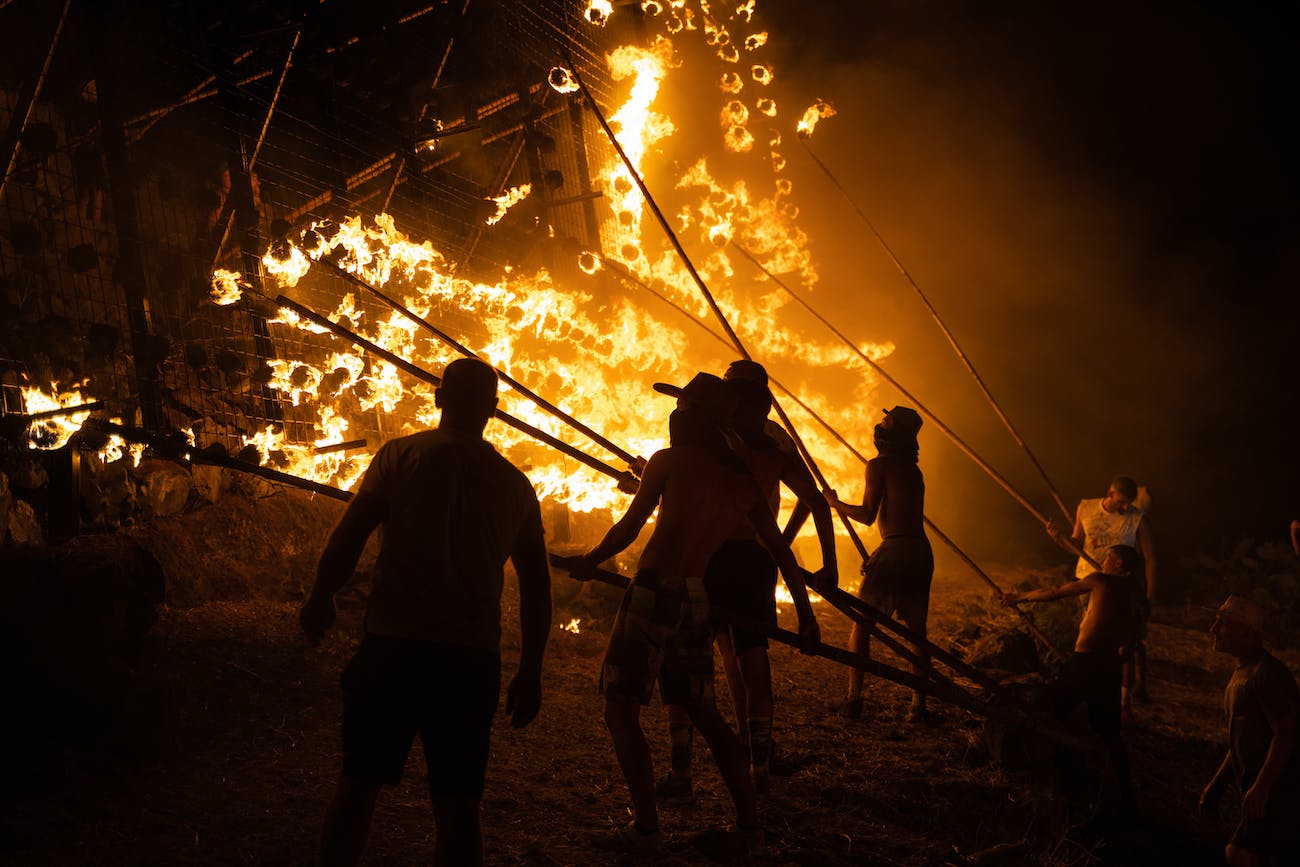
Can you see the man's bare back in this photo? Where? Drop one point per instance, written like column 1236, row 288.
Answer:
column 1109, row 623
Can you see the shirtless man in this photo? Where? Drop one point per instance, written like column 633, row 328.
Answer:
column 741, row 578
column 1108, row 631
column 896, row 580
column 1099, row 524
column 663, row 630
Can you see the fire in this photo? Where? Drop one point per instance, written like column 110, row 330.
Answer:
column 508, row 200
column 598, row 11
column 572, row 626
column 819, row 110
column 591, row 352
column 54, row 433
column 226, row 287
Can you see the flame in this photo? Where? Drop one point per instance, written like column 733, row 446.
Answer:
column 819, row 110
column 589, row 350
column 598, row 11
column 508, row 200
column 572, row 626
column 227, row 287
column 54, row 433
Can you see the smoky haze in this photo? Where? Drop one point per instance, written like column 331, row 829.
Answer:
column 1104, row 217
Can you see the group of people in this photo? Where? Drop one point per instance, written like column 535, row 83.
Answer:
column 453, row 511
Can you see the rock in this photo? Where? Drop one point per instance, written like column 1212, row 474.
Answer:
column 1012, row 651
column 164, row 487
column 24, row 525
column 209, row 481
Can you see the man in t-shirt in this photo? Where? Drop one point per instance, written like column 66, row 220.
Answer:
column 452, row 511
column 663, row 631
column 1261, row 703
column 1099, row 524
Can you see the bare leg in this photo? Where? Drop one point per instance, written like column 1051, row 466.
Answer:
column 756, row 671
column 347, row 822
column 623, row 719
column 921, row 668
column 1140, row 672
column 735, row 679
column 459, row 839
column 859, row 642
column 681, row 736
column 730, row 756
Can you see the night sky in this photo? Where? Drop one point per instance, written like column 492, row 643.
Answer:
column 1100, row 202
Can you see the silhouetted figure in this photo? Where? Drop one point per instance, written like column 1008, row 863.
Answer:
column 1094, row 671
column 1261, row 703
column 452, row 512
column 896, row 580
column 1115, row 520
column 663, row 630
column 741, row 578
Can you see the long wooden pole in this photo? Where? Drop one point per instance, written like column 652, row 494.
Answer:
column 22, row 114
column 947, row 333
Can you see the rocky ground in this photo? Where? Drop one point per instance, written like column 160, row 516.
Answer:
column 217, row 744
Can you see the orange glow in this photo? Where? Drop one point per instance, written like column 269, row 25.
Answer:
column 508, row 200
column 819, row 110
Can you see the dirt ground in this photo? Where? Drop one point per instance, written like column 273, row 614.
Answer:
column 230, row 748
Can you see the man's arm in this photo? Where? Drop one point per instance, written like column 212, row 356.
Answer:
column 1209, row 800
column 871, row 498
column 1048, row 594
column 761, row 518
column 524, row 695
column 1147, row 548
column 799, row 480
column 339, row 560
column 626, row 529
column 1255, row 800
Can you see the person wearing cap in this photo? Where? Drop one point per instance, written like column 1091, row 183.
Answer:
column 1261, row 703
column 741, row 578
column 452, row 511
column 663, row 629
column 1099, row 523
column 896, row 579
column 1093, row 672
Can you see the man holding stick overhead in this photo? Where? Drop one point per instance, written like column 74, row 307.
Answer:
column 663, row 630
column 452, row 512
column 896, row 580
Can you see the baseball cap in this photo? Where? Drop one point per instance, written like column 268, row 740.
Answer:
column 708, row 393
column 906, row 419
column 748, row 370
column 1243, row 612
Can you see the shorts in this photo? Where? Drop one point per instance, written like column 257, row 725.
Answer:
column 395, row 688
column 741, row 578
column 896, row 580
column 1093, row 678
column 662, row 632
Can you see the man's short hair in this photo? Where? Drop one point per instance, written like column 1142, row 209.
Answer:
column 468, row 385
column 1125, row 487
column 1130, row 561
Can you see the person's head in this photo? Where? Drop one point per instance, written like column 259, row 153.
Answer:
column 467, row 395
column 1121, row 560
column 1238, row 627
column 896, row 433
column 1121, row 494
column 705, row 407
column 747, row 381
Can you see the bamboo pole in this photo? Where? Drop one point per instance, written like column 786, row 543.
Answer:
column 539, row 401
column 947, row 333
column 22, row 114
column 423, row 375
column 704, row 290
column 923, row 410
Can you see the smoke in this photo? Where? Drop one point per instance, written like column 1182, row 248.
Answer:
column 1100, row 217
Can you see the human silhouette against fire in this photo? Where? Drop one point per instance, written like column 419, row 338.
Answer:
column 453, row 511
column 663, row 630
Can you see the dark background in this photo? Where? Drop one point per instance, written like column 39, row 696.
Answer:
column 1100, row 201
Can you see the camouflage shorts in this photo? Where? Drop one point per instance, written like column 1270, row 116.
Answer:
column 662, row 632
